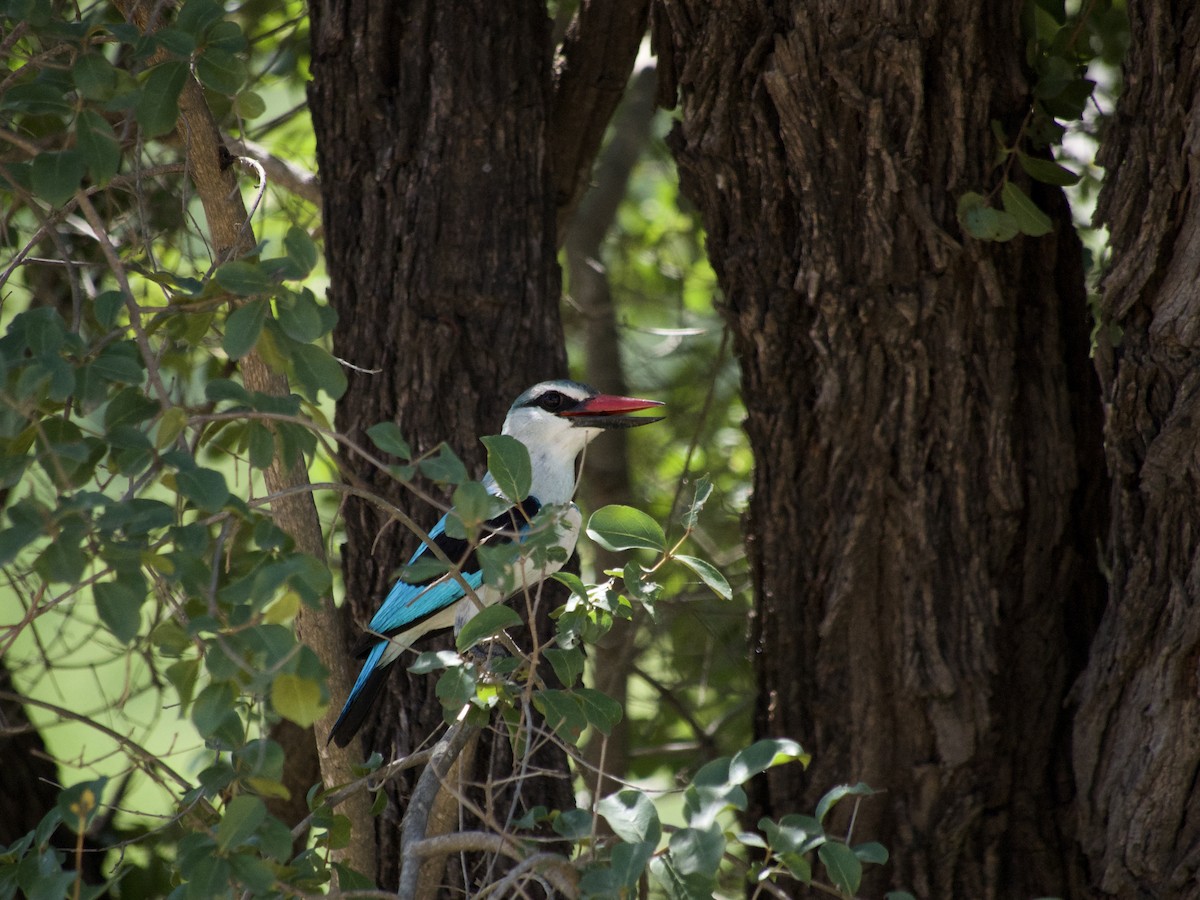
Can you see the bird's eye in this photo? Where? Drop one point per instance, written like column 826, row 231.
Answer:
column 551, row 401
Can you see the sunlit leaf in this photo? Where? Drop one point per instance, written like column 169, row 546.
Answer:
column 708, row 574
column 508, row 461
column 297, row 699
column 618, row 527
column 485, row 624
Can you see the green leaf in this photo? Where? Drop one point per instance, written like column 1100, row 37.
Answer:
column 108, row 306
column 484, row 624
column 698, row 851
column 833, row 795
column 243, row 278
column 455, row 688
column 444, row 467
column 794, row 834
column 708, row 574
column 244, row 326
column 243, row 814
column 213, row 705
column 129, row 407
column 120, row 607
column 844, row 868
column 204, row 487
column 316, row 370
column 473, row 504
column 562, row 713
column 1047, row 171
column 297, row 699
column 387, row 437
column 63, row 560
column 175, row 41
column 98, row 145
column 55, row 176
column 301, row 250
column 573, row 824
column 763, row 755
column 249, row 105
column 79, row 804
column 618, row 527
column 872, row 852
column 632, row 816
column 260, row 445
column 120, row 363
column 157, row 106
column 197, row 16
column 182, row 674
column 601, row 711
column 256, row 875
column 220, row 71
column 981, row 221
column 704, row 489
column 567, row 664
column 508, row 461
column 207, row 877
column 94, row 77
column 300, row 317
column 1030, row 220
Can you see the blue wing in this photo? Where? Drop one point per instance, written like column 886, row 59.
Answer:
column 409, row 602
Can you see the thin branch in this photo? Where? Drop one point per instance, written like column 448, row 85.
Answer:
column 558, row 869
column 420, row 804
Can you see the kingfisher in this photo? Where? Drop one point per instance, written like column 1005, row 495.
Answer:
column 555, row 420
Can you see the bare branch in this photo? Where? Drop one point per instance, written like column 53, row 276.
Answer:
column 420, row 804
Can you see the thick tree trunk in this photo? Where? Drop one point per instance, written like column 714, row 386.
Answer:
column 925, row 425
column 440, row 235
column 1137, row 734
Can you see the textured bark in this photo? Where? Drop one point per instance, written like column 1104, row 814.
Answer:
column 925, row 424
column 597, row 56
column 1137, row 734
column 431, row 122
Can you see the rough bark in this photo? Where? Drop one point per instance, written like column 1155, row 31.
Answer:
column 925, row 425
column 1137, row 734
column 439, row 213
column 597, row 55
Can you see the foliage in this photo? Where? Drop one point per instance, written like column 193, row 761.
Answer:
column 144, row 571
column 1061, row 47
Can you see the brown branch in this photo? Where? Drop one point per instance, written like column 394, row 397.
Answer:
column 421, row 804
column 597, row 56
column 295, row 512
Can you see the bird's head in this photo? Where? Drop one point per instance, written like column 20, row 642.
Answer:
column 567, row 415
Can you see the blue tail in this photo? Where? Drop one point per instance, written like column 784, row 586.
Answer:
column 362, row 695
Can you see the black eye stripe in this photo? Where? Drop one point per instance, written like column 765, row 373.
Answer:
column 551, row 401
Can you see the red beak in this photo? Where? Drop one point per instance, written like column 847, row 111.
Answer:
column 608, row 411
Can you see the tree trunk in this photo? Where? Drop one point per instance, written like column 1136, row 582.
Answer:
column 440, row 235
column 1137, row 734
column 928, row 484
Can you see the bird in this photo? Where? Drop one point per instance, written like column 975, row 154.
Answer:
column 555, row 420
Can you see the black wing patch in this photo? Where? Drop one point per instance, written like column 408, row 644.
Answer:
column 500, row 529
